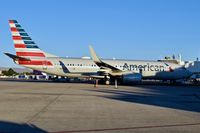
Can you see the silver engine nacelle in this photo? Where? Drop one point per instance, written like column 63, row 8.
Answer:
column 132, row 77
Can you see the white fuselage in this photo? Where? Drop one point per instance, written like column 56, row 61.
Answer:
column 72, row 67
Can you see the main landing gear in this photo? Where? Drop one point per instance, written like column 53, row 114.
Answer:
column 107, row 80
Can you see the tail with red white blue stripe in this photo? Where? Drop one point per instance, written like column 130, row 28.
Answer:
column 23, row 43
column 27, row 52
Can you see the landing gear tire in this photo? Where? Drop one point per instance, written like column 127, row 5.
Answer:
column 107, row 82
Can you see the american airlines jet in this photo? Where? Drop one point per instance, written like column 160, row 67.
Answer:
column 29, row 55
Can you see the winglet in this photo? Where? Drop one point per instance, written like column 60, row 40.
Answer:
column 100, row 63
column 94, row 56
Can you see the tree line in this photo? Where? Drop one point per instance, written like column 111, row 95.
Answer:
column 9, row 72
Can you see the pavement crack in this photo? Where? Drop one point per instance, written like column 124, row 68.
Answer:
column 43, row 109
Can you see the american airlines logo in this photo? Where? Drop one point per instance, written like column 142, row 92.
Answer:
column 147, row 67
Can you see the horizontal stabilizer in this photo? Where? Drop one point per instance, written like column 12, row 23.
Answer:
column 16, row 58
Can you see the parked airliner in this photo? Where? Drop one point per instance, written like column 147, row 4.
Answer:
column 29, row 55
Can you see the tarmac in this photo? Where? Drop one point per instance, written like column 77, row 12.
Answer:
column 37, row 107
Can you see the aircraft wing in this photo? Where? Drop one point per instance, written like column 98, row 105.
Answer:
column 101, row 64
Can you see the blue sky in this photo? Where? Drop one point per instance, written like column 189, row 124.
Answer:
column 129, row 29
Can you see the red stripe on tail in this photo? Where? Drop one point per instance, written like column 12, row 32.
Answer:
column 11, row 21
column 30, row 54
column 13, row 29
column 17, row 38
column 20, row 46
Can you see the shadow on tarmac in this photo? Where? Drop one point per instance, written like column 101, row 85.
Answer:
column 45, row 81
column 181, row 98
column 11, row 127
column 143, row 83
